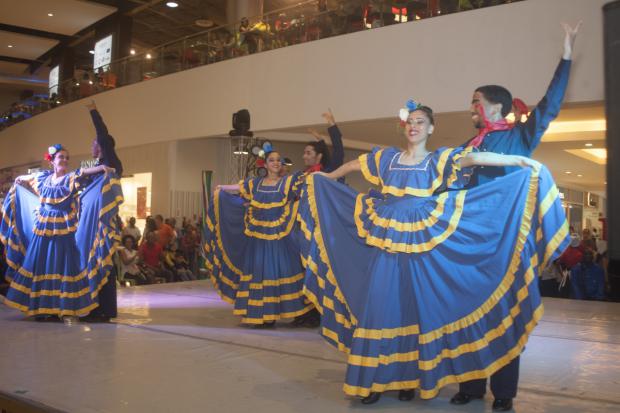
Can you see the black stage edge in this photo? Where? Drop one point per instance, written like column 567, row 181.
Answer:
column 611, row 28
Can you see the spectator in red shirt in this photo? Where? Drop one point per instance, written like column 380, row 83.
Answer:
column 573, row 254
column 165, row 232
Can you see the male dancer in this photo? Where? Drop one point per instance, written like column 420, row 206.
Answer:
column 490, row 104
column 104, row 153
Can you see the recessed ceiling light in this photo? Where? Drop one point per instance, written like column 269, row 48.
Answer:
column 132, row 52
column 579, row 175
column 50, row 14
column 568, row 172
column 148, row 55
column 91, row 51
column 9, row 46
column 172, row 4
column 588, row 144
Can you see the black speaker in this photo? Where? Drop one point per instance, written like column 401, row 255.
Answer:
column 611, row 34
column 241, row 121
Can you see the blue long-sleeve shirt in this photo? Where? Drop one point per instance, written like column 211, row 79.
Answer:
column 587, row 282
column 524, row 137
column 337, row 155
column 106, row 142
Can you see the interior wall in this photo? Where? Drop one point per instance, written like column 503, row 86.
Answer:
column 364, row 75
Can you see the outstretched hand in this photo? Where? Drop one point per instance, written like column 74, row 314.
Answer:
column 108, row 169
column 329, row 117
column 91, row 105
column 318, row 136
column 569, row 38
column 531, row 163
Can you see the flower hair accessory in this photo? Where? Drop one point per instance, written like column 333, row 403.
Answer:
column 267, row 147
column 410, row 106
column 51, row 151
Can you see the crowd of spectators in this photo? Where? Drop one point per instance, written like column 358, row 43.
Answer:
column 163, row 253
column 580, row 272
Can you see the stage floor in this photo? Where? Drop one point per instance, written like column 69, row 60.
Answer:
column 178, row 348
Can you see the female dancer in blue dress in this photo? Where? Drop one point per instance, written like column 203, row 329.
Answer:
column 251, row 250
column 430, row 283
column 60, row 241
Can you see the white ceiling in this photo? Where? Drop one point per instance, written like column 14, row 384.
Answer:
column 24, row 46
column 13, row 69
column 70, row 16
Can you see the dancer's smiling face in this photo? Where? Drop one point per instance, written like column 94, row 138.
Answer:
column 274, row 163
column 60, row 161
column 418, row 127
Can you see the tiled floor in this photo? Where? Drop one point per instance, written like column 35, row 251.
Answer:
column 178, row 348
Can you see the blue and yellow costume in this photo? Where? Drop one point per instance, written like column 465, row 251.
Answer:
column 431, row 283
column 252, row 253
column 60, row 242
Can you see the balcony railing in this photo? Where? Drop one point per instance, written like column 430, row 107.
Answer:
column 305, row 22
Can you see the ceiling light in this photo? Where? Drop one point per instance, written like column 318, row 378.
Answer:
column 50, row 14
column 9, row 46
column 588, row 144
column 148, row 55
column 579, row 175
column 91, row 51
column 568, row 172
column 172, row 4
column 132, row 52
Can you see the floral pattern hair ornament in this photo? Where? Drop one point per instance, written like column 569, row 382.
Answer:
column 410, row 106
column 51, row 151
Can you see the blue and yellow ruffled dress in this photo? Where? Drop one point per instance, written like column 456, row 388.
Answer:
column 60, row 242
column 252, row 253
column 430, row 283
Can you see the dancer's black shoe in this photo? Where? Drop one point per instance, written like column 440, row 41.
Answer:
column 371, row 398
column 463, row 398
column 406, row 395
column 502, row 405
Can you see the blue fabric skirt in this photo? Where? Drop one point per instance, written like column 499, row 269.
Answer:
column 60, row 274
column 423, row 292
column 263, row 279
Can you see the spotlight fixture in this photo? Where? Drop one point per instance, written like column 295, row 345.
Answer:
column 172, row 4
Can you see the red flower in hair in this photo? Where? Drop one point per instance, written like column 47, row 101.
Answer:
column 48, row 157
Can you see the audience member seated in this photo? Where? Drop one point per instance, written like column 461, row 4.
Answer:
column 151, row 256
column 132, row 230
column 130, row 270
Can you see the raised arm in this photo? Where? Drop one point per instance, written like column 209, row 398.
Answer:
column 336, row 137
column 100, row 127
column 495, row 159
column 549, row 106
column 345, row 169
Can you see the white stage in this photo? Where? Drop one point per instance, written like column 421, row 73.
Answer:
column 178, row 348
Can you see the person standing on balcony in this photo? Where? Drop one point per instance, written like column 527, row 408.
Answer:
column 104, row 152
column 489, row 107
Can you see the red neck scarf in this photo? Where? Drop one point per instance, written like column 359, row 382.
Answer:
column 314, row 168
column 489, row 126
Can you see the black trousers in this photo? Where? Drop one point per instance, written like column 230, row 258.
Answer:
column 503, row 383
column 107, row 298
